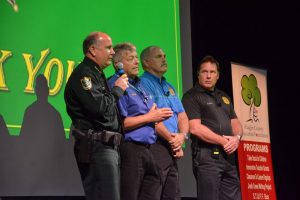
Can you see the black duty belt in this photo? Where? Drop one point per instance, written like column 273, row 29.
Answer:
column 106, row 137
column 141, row 144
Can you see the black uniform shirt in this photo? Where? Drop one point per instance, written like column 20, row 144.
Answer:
column 89, row 102
column 214, row 108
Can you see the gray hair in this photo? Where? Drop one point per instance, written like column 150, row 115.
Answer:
column 120, row 48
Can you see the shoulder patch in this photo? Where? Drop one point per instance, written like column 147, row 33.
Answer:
column 86, row 83
column 172, row 92
column 225, row 100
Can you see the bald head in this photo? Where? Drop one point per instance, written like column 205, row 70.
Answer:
column 98, row 47
column 93, row 38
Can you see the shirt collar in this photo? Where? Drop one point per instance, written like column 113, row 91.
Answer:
column 201, row 89
column 153, row 77
column 134, row 81
column 90, row 62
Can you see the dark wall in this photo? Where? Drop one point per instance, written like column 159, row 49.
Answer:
column 263, row 34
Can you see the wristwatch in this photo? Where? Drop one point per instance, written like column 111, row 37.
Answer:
column 186, row 136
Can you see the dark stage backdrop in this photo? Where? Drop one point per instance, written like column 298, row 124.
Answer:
column 262, row 34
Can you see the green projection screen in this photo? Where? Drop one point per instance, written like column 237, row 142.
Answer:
column 45, row 37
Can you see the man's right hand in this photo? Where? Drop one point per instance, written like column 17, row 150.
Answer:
column 232, row 144
column 176, row 141
column 159, row 114
column 122, row 82
column 178, row 153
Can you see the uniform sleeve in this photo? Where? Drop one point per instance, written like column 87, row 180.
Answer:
column 191, row 106
column 122, row 105
column 232, row 112
column 93, row 95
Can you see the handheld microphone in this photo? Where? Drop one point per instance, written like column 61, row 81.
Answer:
column 120, row 69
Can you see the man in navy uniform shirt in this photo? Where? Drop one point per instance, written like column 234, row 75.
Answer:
column 92, row 108
column 216, row 133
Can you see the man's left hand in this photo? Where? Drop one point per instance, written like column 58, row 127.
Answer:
column 232, row 144
column 177, row 141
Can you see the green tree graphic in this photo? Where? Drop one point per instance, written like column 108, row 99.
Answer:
column 251, row 96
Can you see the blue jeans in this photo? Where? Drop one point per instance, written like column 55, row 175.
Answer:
column 101, row 177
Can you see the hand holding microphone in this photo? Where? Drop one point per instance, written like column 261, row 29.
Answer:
column 122, row 81
column 120, row 69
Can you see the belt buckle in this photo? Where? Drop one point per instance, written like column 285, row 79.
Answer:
column 215, row 153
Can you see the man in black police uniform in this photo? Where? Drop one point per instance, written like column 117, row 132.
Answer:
column 96, row 123
column 216, row 133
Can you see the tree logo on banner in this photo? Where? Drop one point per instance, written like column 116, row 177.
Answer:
column 251, row 96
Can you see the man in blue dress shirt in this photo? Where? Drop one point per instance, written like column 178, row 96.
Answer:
column 173, row 130
column 140, row 174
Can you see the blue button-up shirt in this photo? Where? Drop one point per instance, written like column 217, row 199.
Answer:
column 164, row 96
column 136, row 101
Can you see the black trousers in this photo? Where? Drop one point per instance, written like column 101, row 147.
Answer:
column 169, row 171
column 217, row 179
column 101, row 176
column 140, row 177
